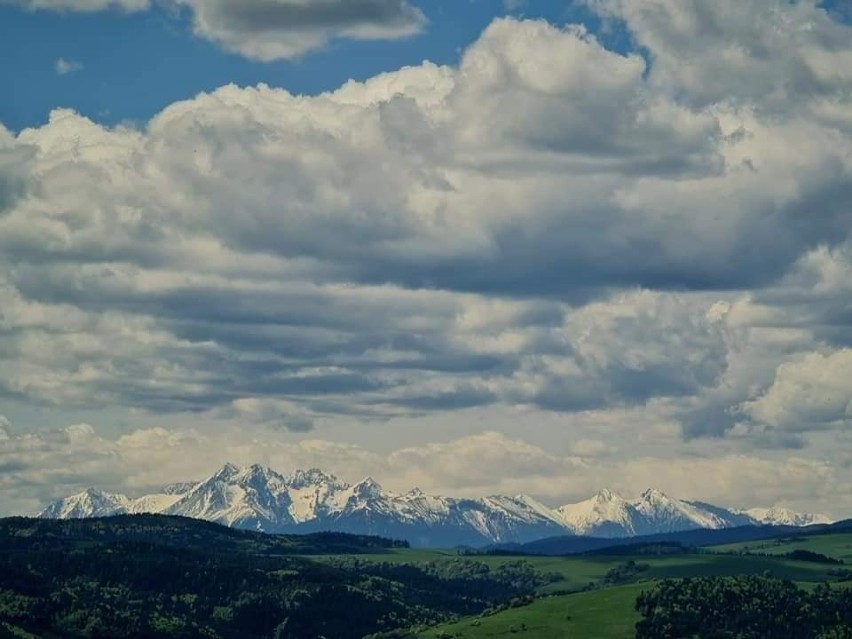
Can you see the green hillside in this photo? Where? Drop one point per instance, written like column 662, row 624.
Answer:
column 608, row 611
column 153, row 576
column 600, row 614
column 838, row 546
column 578, row 571
column 161, row 577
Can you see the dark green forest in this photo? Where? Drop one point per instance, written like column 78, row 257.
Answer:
column 751, row 607
column 148, row 576
column 153, row 576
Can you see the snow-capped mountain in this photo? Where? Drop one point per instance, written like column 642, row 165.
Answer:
column 778, row 516
column 604, row 515
column 254, row 497
column 258, row 498
column 90, row 503
column 610, row 515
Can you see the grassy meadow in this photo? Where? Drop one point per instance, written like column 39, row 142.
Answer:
column 565, row 610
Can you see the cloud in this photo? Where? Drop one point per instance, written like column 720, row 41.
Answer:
column 514, row 5
column 590, row 448
column 813, row 390
column 548, row 225
column 64, row 67
column 51, row 464
column 268, row 30
column 80, row 5
column 770, row 53
column 276, row 414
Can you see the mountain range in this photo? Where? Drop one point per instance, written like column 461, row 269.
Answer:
column 258, row 498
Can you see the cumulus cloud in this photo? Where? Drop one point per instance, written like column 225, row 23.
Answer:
column 51, row 464
column 812, row 391
column 750, row 51
column 549, row 225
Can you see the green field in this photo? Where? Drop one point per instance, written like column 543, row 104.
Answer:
column 838, row 546
column 608, row 612
column 602, row 614
column 579, row 571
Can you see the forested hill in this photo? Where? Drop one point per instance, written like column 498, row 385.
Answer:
column 567, row 545
column 184, row 533
column 158, row 577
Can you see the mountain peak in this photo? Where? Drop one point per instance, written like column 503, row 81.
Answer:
column 256, row 470
column 654, row 494
column 226, row 472
column 778, row 515
column 367, row 486
column 259, row 498
column 311, row 477
column 93, row 492
column 259, row 477
column 369, row 482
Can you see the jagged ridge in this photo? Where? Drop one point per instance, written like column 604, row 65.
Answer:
column 258, row 498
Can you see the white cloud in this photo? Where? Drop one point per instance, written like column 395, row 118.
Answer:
column 41, row 467
column 763, row 51
column 64, row 67
column 590, row 448
column 549, row 225
column 80, row 5
column 812, row 391
column 269, row 30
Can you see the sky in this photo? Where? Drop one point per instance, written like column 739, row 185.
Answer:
column 483, row 246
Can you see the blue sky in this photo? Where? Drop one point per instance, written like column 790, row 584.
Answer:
column 628, row 253
column 134, row 64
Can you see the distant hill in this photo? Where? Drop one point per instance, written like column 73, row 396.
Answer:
column 258, row 498
column 185, row 533
column 572, row 545
column 153, row 576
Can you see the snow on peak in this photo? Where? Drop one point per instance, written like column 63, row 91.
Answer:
column 668, row 514
column 179, row 488
column 367, row 487
column 252, row 497
column 606, row 514
column 259, row 498
column 260, row 477
column 226, row 472
column 780, row 516
column 91, row 502
column 654, row 495
column 312, row 477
